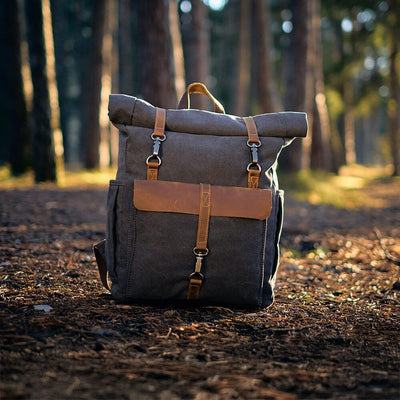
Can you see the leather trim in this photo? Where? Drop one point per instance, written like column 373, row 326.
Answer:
column 251, row 130
column 226, row 201
column 204, row 216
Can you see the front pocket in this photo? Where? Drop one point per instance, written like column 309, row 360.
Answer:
column 119, row 235
column 166, row 220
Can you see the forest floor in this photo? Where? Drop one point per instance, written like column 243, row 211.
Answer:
column 332, row 333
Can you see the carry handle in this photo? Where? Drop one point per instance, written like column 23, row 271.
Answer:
column 198, row 87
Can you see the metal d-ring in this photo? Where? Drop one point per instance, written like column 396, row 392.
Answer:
column 197, row 275
column 160, row 138
column 251, row 144
column 153, row 156
column 253, row 164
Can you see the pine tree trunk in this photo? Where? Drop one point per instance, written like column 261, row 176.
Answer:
column 243, row 87
column 394, row 91
column 91, row 90
column 58, row 10
column 267, row 92
column 349, row 121
column 321, row 150
column 296, row 72
column 14, row 133
column 195, row 41
column 179, row 65
column 156, row 61
column 42, row 139
column 125, row 65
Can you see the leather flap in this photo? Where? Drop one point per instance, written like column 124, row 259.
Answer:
column 226, row 201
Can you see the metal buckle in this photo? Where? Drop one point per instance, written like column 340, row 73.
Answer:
column 254, row 150
column 200, row 253
column 157, row 143
column 196, row 275
column 153, row 157
column 257, row 165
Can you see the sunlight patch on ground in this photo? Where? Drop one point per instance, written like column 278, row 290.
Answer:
column 354, row 187
column 65, row 179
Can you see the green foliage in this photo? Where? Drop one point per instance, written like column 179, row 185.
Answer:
column 348, row 189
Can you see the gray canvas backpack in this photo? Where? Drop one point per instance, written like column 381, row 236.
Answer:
column 195, row 212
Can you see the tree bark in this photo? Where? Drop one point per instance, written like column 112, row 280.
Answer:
column 321, row 150
column 179, row 65
column 42, row 139
column 125, row 44
column 156, row 62
column 349, row 123
column 296, row 73
column 195, row 41
column 394, row 91
column 14, row 133
column 91, row 90
column 267, row 91
column 243, row 86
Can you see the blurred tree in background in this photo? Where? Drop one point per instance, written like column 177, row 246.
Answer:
column 336, row 60
column 14, row 135
column 43, row 152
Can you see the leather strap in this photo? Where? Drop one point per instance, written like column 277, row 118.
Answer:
column 253, row 178
column 198, row 87
column 154, row 161
column 99, row 253
column 251, row 130
column 152, row 170
column 159, row 125
column 253, row 169
column 204, row 217
column 196, row 278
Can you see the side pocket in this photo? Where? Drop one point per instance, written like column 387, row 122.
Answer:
column 111, row 228
column 278, row 232
column 120, row 236
column 274, row 229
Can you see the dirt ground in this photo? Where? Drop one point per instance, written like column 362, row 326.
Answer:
column 332, row 333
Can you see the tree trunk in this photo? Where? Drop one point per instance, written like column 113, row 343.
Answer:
column 106, row 85
column 349, row 121
column 59, row 34
column 296, row 73
column 42, row 139
column 195, row 41
column 243, row 87
column 156, row 62
column 321, row 150
column 125, row 47
column 267, row 92
column 394, row 92
column 14, row 133
column 179, row 65
column 91, row 90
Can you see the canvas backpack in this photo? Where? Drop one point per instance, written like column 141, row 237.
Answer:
column 195, row 212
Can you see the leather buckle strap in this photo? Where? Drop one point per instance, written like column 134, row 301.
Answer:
column 158, row 136
column 201, row 250
column 253, row 142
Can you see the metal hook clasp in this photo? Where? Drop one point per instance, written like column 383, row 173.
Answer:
column 157, row 143
column 254, row 151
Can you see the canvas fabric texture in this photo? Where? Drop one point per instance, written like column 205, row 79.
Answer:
column 201, row 221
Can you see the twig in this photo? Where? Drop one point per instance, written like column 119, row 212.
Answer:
column 388, row 256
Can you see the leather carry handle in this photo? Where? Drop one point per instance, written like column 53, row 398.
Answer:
column 198, row 87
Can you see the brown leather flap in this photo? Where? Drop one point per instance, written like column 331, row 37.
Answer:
column 226, row 201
